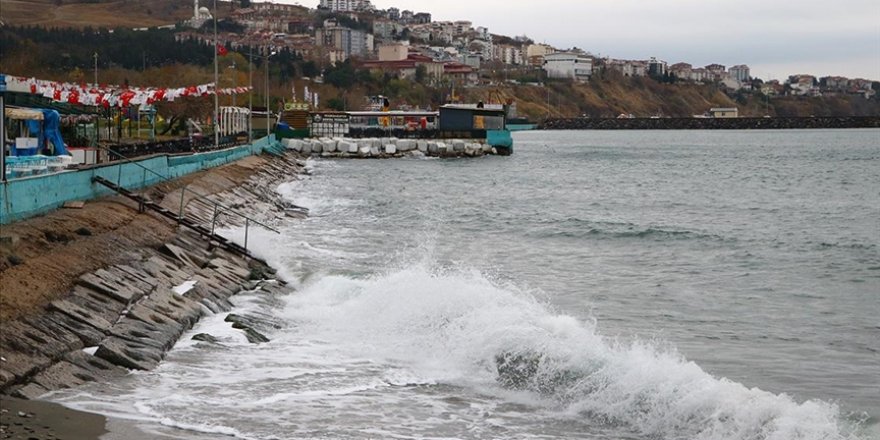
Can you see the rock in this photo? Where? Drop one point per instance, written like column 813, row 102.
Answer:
column 247, row 324
column 364, row 151
column 391, row 149
column 458, row 146
column 254, row 337
column 204, row 337
column 422, row 146
column 14, row 260
column 85, row 232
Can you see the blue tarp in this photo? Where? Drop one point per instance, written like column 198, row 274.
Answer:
column 50, row 131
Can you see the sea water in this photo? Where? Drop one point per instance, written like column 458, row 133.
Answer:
column 596, row 284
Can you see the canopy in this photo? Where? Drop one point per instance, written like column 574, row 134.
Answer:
column 27, row 114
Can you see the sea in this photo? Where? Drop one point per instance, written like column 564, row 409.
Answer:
column 593, row 285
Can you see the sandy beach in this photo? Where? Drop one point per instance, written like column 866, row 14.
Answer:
column 37, row 419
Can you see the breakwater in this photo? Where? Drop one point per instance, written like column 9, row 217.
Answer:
column 387, row 147
column 126, row 314
column 708, row 123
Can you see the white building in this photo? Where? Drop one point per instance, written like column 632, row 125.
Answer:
column 200, row 15
column 740, row 73
column 346, row 5
column 566, row 65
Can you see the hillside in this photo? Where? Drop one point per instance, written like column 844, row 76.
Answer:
column 47, row 50
column 79, row 13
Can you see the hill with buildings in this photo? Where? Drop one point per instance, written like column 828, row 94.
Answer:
column 345, row 50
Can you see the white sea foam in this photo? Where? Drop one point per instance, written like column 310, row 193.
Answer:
column 450, row 327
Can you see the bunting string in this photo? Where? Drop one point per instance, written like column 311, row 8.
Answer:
column 101, row 95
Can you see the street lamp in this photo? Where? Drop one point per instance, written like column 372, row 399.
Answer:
column 251, row 94
column 268, row 111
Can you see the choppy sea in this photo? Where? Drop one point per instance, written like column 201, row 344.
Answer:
column 596, row 284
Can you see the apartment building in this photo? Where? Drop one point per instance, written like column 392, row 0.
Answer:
column 740, row 73
column 346, row 5
column 567, row 65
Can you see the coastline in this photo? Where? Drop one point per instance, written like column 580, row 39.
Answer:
column 91, row 293
column 741, row 123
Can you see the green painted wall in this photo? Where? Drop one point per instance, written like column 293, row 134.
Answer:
column 30, row 196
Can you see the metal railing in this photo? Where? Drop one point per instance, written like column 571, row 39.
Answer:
column 218, row 208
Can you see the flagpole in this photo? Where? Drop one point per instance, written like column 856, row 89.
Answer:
column 216, row 84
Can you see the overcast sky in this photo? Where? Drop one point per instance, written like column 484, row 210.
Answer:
column 775, row 38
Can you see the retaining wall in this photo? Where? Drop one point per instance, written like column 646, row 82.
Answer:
column 30, row 196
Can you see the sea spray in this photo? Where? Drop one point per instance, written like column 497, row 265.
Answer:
column 452, row 327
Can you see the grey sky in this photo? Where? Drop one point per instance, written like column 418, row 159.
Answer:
column 775, row 38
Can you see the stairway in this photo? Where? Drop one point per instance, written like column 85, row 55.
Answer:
column 144, row 203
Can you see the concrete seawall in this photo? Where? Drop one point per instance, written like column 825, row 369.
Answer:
column 708, row 123
column 29, row 196
column 126, row 314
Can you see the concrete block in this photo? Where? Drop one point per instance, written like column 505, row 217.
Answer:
column 129, row 354
column 422, row 146
column 391, row 149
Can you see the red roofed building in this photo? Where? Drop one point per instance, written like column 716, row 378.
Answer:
column 406, row 68
column 462, row 73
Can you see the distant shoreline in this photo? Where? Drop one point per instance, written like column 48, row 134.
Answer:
column 751, row 123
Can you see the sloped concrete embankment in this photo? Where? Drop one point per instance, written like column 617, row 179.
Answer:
column 127, row 316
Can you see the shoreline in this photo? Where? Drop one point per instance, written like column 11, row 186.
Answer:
column 741, row 123
column 90, row 294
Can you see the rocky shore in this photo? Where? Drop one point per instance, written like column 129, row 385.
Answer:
column 707, row 123
column 90, row 294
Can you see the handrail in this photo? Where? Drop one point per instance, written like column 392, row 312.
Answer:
column 199, row 197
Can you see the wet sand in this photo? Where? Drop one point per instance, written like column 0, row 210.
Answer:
column 37, row 419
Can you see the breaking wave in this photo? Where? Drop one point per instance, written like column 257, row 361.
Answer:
column 461, row 328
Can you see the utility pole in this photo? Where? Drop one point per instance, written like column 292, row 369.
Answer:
column 216, row 84
column 268, row 110
column 234, row 81
column 2, row 128
column 251, row 92
column 96, row 69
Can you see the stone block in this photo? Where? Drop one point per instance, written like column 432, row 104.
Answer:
column 111, row 285
column 81, row 314
column 129, row 354
column 30, row 391
column 87, row 333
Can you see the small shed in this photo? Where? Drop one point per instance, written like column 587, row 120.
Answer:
column 724, row 112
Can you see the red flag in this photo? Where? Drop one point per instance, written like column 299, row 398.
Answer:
column 221, row 50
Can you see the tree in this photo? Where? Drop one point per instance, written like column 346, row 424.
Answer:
column 181, row 109
column 421, row 73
